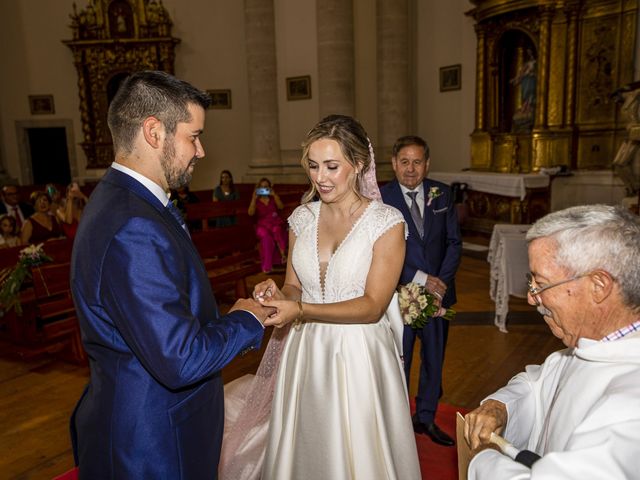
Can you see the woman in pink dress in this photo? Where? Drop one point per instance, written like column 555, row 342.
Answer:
column 270, row 227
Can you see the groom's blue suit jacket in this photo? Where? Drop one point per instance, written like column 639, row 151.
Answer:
column 153, row 408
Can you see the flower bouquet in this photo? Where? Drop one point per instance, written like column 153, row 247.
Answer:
column 11, row 279
column 417, row 305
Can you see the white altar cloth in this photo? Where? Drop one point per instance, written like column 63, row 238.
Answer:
column 506, row 184
column 509, row 264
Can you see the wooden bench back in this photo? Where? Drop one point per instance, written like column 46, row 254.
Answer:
column 220, row 242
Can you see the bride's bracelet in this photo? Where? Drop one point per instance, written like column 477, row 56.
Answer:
column 298, row 320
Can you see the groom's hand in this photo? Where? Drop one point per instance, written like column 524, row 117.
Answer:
column 250, row 305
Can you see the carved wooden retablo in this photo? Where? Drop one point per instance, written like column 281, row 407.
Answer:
column 111, row 39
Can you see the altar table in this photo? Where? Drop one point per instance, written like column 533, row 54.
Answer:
column 505, row 184
column 493, row 198
column 509, row 264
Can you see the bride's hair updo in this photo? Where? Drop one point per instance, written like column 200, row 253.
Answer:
column 352, row 138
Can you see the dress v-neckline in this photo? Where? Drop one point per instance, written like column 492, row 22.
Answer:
column 323, row 278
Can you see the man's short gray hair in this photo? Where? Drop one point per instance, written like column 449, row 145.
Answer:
column 596, row 237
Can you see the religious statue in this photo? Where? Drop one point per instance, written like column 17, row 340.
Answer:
column 526, row 79
column 626, row 164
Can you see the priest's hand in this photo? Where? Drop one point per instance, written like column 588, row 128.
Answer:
column 488, row 418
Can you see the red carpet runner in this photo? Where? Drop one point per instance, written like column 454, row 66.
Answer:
column 436, row 462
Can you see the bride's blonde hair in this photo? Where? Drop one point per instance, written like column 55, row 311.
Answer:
column 353, row 142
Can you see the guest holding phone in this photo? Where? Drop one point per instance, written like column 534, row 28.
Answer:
column 71, row 208
column 270, row 227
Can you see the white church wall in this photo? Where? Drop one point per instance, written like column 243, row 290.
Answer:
column 445, row 36
column 33, row 61
column 212, row 55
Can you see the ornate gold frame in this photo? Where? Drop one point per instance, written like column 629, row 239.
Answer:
column 112, row 39
column 585, row 51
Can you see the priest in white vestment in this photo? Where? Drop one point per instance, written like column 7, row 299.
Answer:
column 578, row 412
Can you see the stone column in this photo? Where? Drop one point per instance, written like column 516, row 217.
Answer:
column 393, row 75
column 336, row 77
column 263, row 95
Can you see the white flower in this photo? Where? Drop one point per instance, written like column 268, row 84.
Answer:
column 434, row 192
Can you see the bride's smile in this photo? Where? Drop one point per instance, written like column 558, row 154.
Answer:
column 332, row 174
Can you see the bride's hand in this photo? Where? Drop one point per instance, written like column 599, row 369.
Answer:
column 286, row 312
column 267, row 290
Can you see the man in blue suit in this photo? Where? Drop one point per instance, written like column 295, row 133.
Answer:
column 432, row 258
column 150, row 324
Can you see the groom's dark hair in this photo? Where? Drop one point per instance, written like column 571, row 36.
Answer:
column 150, row 93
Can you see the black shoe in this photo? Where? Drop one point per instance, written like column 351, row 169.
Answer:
column 433, row 431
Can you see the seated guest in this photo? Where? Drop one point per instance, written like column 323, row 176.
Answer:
column 181, row 197
column 226, row 190
column 270, row 227
column 8, row 231
column 41, row 226
column 12, row 205
column 577, row 414
column 71, row 208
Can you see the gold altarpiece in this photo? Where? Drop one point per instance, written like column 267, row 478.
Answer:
column 112, row 39
column 546, row 72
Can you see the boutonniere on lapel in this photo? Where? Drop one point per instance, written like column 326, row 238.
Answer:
column 434, row 192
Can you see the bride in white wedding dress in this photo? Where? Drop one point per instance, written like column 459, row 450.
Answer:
column 340, row 409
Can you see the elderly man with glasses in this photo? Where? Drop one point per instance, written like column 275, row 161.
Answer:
column 576, row 416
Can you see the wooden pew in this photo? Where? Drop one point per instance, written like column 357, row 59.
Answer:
column 48, row 324
column 55, row 312
column 58, row 249
column 230, row 255
column 9, row 256
column 204, row 214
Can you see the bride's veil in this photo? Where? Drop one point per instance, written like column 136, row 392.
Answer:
column 244, row 442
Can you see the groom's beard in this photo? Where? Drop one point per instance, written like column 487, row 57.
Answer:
column 175, row 177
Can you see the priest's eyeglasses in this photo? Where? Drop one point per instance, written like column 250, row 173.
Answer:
column 536, row 291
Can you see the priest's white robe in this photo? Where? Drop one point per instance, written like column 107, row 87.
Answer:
column 579, row 410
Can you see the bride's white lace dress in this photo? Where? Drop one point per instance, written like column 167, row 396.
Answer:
column 340, row 408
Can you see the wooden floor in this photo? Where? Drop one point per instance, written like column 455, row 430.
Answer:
column 37, row 396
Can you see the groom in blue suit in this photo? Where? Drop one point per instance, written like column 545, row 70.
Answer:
column 432, row 257
column 150, row 324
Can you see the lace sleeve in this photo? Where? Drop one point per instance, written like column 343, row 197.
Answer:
column 385, row 217
column 302, row 217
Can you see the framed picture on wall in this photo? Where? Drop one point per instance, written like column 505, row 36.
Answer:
column 450, row 78
column 299, row 88
column 41, row 105
column 220, row 99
